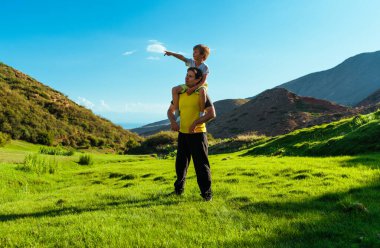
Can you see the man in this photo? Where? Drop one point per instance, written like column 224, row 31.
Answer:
column 192, row 137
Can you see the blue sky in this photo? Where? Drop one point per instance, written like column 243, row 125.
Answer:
column 103, row 54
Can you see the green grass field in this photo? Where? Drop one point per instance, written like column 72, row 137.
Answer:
column 125, row 201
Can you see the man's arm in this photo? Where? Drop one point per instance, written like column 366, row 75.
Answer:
column 189, row 91
column 210, row 114
column 176, row 55
column 173, row 124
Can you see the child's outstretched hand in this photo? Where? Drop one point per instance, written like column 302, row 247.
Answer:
column 167, row 53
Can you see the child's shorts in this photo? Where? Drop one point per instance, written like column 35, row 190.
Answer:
column 185, row 87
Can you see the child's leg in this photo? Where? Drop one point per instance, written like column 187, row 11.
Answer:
column 175, row 95
column 202, row 100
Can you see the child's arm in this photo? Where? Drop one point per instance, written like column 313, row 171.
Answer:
column 189, row 91
column 176, row 55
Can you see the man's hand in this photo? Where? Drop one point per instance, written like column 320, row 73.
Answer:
column 174, row 126
column 192, row 127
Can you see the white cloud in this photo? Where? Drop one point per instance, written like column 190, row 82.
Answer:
column 139, row 107
column 153, row 58
column 155, row 47
column 104, row 106
column 127, row 53
column 84, row 102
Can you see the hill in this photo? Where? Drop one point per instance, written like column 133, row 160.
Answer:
column 371, row 100
column 274, row 112
column 221, row 107
column 356, row 135
column 348, row 83
column 36, row 113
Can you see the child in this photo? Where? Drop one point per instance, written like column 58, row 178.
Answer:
column 200, row 54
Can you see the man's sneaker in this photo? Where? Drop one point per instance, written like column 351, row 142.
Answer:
column 207, row 197
column 175, row 192
column 179, row 192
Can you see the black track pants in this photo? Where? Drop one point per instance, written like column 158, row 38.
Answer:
column 193, row 146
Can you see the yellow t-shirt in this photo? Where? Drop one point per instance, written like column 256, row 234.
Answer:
column 189, row 112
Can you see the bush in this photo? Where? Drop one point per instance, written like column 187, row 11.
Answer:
column 56, row 151
column 131, row 144
column 4, row 138
column 163, row 143
column 161, row 138
column 38, row 164
column 45, row 138
column 86, row 160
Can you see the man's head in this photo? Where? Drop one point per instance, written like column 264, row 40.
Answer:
column 193, row 76
column 201, row 52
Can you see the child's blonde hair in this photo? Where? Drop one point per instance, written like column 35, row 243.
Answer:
column 204, row 50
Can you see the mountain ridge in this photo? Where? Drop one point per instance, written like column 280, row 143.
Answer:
column 277, row 111
column 347, row 83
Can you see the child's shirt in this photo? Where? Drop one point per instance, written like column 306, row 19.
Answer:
column 203, row 67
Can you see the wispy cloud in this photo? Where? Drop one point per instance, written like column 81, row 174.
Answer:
column 127, row 53
column 155, row 47
column 84, row 102
column 153, row 58
column 104, row 106
column 139, row 107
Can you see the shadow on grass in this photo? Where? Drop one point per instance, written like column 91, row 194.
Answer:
column 348, row 219
column 162, row 199
column 369, row 160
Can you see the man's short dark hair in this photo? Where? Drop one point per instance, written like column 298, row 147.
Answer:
column 198, row 73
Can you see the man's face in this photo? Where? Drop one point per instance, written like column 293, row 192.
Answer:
column 190, row 79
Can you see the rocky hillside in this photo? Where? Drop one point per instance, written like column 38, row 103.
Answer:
column 348, row 83
column 277, row 111
column 36, row 113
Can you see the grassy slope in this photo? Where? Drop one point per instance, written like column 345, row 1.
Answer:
column 38, row 114
column 355, row 135
column 259, row 202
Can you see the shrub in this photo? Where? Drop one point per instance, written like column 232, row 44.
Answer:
column 45, row 138
column 163, row 143
column 161, row 138
column 56, row 151
column 38, row 164
column 131, row 144
column 4, row 138
column 86, row 160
